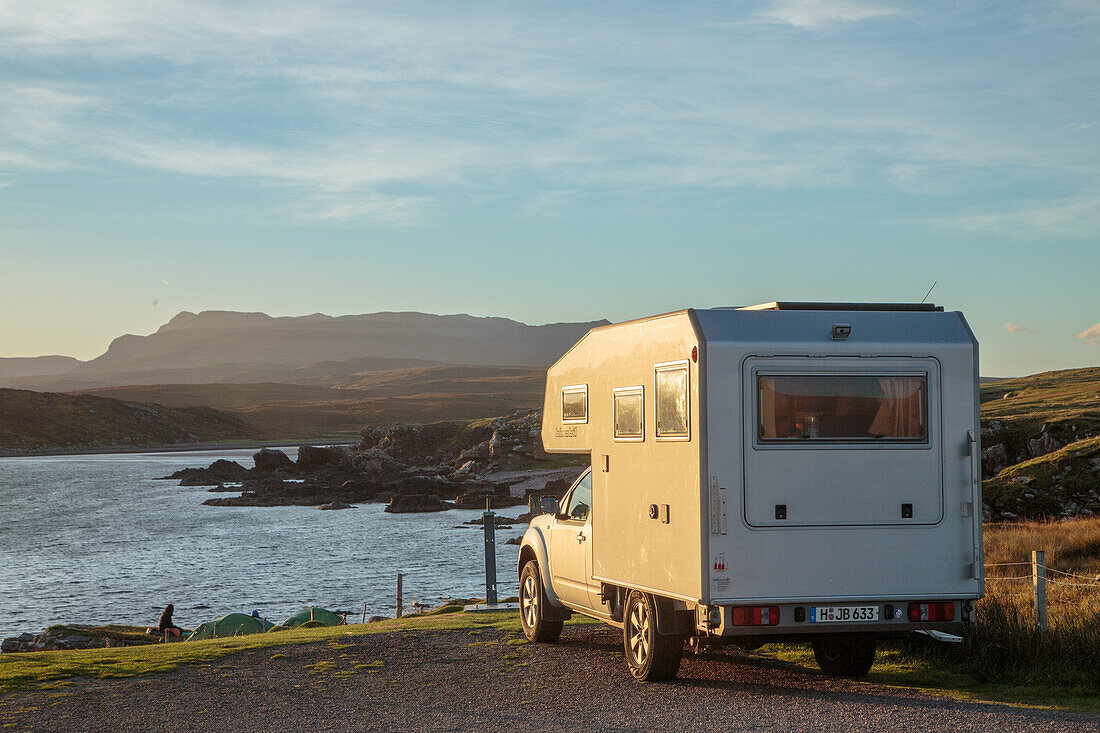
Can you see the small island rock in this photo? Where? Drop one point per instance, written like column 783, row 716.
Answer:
column 416, row 503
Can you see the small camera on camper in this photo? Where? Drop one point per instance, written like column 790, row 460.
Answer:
column 841, row 331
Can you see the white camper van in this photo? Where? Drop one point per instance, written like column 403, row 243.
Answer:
column 781, row 472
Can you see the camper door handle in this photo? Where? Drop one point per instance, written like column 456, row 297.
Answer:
column 581, row 538
column 975, row 462
column 975, row 492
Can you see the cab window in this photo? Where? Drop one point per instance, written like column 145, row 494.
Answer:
column 580, row 501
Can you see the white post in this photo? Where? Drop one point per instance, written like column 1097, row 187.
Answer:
column 1039, row 583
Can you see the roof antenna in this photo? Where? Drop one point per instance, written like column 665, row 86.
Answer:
column 929, row 292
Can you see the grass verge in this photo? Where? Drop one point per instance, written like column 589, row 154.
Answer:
column 898, row 666
column 47, row 670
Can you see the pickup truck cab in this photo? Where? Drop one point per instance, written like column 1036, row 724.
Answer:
column 556, row 580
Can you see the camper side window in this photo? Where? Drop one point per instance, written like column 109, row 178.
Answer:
column 672, row 400
column 574, row 403
column 629, row 414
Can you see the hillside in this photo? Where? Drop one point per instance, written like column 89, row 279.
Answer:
column 32, row 367
column 32, row 421
column 355, row 400
column 1041, row 444
column 220, row 346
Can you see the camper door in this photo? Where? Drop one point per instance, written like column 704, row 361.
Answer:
column 840, row 441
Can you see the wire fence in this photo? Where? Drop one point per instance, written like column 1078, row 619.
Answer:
column 1039, row 577
column 1092, row 582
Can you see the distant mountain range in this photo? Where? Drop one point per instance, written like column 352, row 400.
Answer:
column 240, row 348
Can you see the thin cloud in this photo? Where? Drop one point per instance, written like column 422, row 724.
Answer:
column 1091, row 334
column 389, row 209
column 1067, row 218
column 341, row 109
column 817, row 14
column 1016, row 328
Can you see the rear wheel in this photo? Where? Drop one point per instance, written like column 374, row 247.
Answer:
column 533, row 607
column 651, row 656
column 842, row 656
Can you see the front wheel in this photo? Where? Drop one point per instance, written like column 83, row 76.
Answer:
column 845, row 656
column 651, row 656
column 532, row 606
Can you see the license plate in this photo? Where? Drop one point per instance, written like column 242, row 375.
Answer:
column 842, row 614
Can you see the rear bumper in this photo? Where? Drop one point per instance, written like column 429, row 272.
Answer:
column 794, row 621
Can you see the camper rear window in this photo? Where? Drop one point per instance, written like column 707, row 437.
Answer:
column 672, row 401
column 574, row 403
column 842, row 407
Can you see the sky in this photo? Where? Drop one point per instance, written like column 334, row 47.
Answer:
column 550, row 161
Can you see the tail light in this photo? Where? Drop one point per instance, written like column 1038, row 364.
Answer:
column 942, row 611
column 755, row 615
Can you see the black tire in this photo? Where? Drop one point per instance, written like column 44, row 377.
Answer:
column 650, row 656
column 533, row 607
column 845, row 656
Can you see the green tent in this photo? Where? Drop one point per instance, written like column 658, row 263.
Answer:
column 234, row 624
column 328, row 618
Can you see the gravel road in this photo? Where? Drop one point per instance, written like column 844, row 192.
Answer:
column 462, row 681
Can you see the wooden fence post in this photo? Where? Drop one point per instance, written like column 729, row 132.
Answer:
column 1039, row 583
column 364, row 613
column 399, row 603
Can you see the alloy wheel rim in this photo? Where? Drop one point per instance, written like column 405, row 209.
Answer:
column 639, row 634
column 530, row 602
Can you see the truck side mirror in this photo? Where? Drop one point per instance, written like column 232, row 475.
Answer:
column 548, row 505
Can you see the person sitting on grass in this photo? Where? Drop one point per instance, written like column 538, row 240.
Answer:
column 166, row 624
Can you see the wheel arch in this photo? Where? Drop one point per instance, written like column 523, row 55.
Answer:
column 533, row 547
column 670, row 620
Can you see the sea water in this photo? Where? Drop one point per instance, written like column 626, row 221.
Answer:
column 98, row 539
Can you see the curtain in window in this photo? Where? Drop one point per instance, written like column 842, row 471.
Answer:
column 900, row 412
column 767, row 409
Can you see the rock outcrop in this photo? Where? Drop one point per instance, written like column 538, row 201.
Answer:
column 455, row 464
column 415, row 503
column 269, row 461
column 78, row 636
column 218, row 472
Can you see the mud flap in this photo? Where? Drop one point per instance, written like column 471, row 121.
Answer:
column 557, row 613
column 671, row 622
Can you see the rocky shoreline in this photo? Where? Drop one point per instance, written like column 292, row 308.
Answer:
column 410, row 468
column 1051, row 470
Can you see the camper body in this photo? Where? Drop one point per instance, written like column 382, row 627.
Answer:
column 781, row 472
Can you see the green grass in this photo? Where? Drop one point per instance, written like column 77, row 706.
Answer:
column 44, row 670
column 898, row 666
column 1004, row 659
column 1069, row 394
